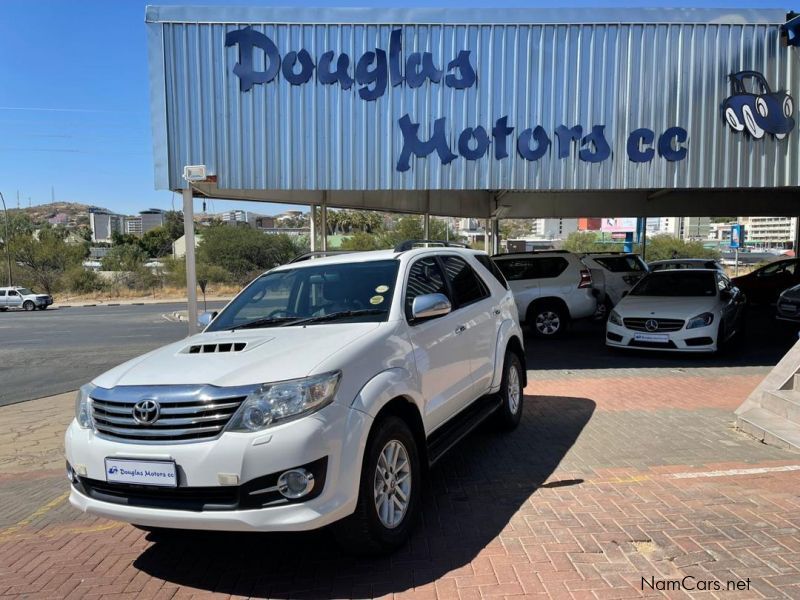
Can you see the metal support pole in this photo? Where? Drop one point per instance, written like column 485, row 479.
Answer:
column 313, row 228
column 323, row 221
column 495, row 236
column 487, row 229
column 644, row 240
column 426, row 226
column 796, row 237
column 191, row 267
column 7, row 241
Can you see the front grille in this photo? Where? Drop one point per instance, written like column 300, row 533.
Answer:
column 185, row 413
column 664, row 325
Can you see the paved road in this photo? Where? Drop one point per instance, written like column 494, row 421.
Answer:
column 46, row 353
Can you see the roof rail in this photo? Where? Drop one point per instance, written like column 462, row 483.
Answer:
column 319, row 254
column 409, row 244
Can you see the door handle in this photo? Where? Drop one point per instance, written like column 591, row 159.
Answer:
column 461, row 329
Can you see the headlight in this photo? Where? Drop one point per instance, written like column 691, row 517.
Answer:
column 83, row 406
column 615, row 318
column 703, row 320
column 277, row 402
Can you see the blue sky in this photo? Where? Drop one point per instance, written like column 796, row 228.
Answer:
column 74, row 112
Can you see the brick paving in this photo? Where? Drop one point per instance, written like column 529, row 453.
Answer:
column 586, row 498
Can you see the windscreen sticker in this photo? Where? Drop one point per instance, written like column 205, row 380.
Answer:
column 382, row 289
column 376, row 300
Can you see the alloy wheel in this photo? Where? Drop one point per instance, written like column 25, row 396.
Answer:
column 548, row 322
column 392, row 484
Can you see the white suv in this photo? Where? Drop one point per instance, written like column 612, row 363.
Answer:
column 319, row 395
column 20, row 297
column 550, row 289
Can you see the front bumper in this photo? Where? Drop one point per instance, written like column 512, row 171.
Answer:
column 700, row 339
column 336, row 434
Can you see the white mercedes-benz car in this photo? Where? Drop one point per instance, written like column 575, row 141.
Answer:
column 685, row 310
column 319, row 395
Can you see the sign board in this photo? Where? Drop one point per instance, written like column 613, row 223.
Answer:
column 737, row 236
column 614, row 225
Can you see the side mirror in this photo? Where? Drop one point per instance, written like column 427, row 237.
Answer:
column 430, row 305
column 206, row 318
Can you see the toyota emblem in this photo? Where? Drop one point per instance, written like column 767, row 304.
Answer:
column 651, row 325
column 146, row 412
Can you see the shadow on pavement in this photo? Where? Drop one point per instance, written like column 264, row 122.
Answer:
column 469, row 499
column 764, row 343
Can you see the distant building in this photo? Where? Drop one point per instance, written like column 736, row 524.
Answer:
column 769, row 232
column 150, row 219
column 179, row 245
column 589, row 223
column 553, row 229
column 685, row 228
column 133, row 225
column 103, row 224
column 61, row 218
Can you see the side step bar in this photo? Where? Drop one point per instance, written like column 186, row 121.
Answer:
column 449, row 434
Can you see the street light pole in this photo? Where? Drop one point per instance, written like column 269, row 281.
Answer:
column 7, row 241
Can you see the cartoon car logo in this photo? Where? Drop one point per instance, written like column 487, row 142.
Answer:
column 113, row 470
column 753, row 106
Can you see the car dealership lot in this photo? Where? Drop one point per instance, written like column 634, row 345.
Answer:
column 625, row 466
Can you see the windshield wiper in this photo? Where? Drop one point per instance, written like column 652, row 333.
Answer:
column 262, row 322
column 338, row 315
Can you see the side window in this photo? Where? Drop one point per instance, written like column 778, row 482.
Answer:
column 492, row 267
column 12, row 292
column 2, row 293
column 791, row 267
column 425, row 277
column 552, row 266
column 467, row 286
column 515, row 269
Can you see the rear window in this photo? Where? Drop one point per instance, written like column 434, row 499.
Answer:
column 677, row 283
column 493, row 269
column 540, row 267
column 620, row 264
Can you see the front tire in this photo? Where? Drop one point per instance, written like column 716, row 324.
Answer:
column 29, row 305
column 511, row 393
column 389, row 492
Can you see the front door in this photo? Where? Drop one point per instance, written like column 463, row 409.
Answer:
column 440, row 351
column 13, row 299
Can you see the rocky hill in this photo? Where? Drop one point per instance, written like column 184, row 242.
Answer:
column 76, row 212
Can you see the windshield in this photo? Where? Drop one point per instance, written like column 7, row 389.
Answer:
column 676, row 283
column 24, row 292
column 353, row 292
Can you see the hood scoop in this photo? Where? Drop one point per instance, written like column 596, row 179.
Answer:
column 214, row 348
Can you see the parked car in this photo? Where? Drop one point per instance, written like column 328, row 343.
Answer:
column 764, row 285
column 20, row 297
column 686, row 263
column 684, row 310
column 618, row 273
column 550, row 288
column 788, row 308
column 319, row 395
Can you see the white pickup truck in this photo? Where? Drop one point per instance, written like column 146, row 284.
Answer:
column 318, row 396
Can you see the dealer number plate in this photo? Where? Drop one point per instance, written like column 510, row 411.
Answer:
column 658, row 338
column 142, row 472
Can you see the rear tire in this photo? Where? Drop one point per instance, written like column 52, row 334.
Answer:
column 29, row 305
column 547, row 320
column 511, row 393
column 389, row 492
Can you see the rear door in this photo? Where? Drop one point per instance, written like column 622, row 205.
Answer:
column 440, row 350
column 522, row 276
column 2, row 298
column 475, row 307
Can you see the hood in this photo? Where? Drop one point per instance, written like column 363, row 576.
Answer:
column 244, row 357
column 665, row 307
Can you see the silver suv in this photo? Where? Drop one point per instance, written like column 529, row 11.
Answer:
column 550, row 289
column 20, row 297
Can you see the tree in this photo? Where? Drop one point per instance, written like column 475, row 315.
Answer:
column 156, row 242
column 244, row 252
column 665, row 246
column 125, row 257
column 120, row 239
column 46, row 259
column 173, row 224
column 361, row 241
column 587, row 241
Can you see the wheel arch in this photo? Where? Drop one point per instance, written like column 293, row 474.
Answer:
column 548, row 301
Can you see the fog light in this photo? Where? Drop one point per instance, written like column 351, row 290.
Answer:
column 295, row 483
column 70, row 473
